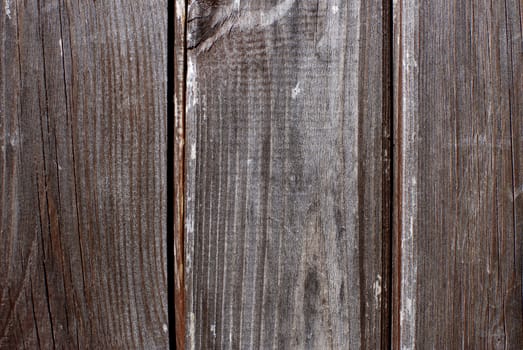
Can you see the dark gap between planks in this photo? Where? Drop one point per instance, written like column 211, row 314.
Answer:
column 388, row 172
column 175, row 173
column 170, row 175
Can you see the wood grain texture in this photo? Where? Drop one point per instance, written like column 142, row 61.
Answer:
column 287, row 157
column 82, row 184
column 180, row 48
column 459, row 137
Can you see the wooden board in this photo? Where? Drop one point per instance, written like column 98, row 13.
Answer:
column 178, row 27
column 459, row 138
column 287, row 183
column 82, row 174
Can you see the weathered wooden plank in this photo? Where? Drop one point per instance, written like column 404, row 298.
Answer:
column 82, row 186
column 180, row 48
column 459, row 128
column 287, row 158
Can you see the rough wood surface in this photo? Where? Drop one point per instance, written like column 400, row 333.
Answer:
column 286, row 160
column 82, row 183
column 179, row 23
column 459, row 138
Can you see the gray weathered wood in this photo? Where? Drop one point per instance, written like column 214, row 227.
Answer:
column 459, row 138
column 82, row 174
column 286, row 173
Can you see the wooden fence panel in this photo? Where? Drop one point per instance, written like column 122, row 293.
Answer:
column 287, row 160
column 82, row 184
column 459, row 137
column 276, row 166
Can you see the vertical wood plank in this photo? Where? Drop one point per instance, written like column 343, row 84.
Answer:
column 82, row 184
column 287, row 160
column 180, row 47
column 459, row 119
